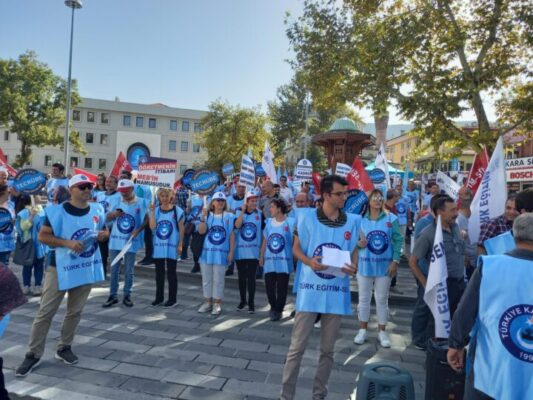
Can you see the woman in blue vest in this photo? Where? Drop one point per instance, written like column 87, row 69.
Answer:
column 7, row 230
column 217, row 252
column 166, row 222
column 276, row 256
column 379, row 250
column 29, row 222
column 248, row 227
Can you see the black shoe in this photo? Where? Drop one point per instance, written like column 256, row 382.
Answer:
column 127, row 301
column 419, row 346
column 170, row 304
column 271, row 314
column 195, row 269
column 276, row 316
column 251, row 310
column 29, row 363
column 156, row 303
column 66, row 355
column 241, row 306
column 110, row 301
column 229, row 272
column 148, row 261
column 293, row 313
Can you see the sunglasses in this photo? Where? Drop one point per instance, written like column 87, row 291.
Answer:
column 85, row 186
column 377, row 198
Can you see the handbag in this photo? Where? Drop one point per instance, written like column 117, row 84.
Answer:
column 24, row 252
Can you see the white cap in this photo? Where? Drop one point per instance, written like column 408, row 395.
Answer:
column 249, row 195
column 3, row 169
column 78, row 179
column 218, row 195
column 124, row 185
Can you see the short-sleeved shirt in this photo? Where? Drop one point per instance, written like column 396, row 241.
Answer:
column 454, row 248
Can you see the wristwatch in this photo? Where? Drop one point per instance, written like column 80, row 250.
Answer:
column 396, row 261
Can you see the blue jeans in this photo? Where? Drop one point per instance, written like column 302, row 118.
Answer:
column 129, row 264
column 38, row 270
column 4, row 257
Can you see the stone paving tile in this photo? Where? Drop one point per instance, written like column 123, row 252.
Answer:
column 220, row 360
column 107, row 379
column 140, row 371
column 195, row 393
column 137, row 385
column 126, row 346
column 238, row 373
column 192, row 379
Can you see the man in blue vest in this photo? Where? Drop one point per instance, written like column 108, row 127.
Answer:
column 320, row 292
column 82, row 215
column 498, row 304
column 58, row 179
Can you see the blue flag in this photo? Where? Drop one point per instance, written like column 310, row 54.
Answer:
column 278, row 173
column 405, row 178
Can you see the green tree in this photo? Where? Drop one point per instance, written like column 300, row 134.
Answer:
column 33, row 104
column 434, row 59
column 287, row 119
column 228, row 132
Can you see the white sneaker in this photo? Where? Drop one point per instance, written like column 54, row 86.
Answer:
column 384, row 340
column 317, row 325
column 217, row 309
column 205, row 307
column 37, row 290
column 27, row 290
column 360, row 337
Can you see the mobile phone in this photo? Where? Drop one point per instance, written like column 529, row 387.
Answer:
column 119, row 210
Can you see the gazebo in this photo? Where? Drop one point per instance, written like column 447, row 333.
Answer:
column 343, row 142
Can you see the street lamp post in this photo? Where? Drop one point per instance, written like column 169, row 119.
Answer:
column 306, row 138
column 73, row 4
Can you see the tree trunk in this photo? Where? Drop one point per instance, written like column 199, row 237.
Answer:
column 381, row 121
column 25, row 154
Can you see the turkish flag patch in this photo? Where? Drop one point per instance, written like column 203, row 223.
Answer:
column 286, row 229
column 347, row 235
column 389, row 225
column 257, row 217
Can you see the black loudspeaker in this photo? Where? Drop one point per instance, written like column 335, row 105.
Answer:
column 382, row 381
column 442, row 382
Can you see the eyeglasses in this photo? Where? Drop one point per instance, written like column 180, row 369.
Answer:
column 340, row 194
column 377, row 198
column 85, row 186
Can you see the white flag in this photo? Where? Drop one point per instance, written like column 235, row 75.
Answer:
column 448, row 185
column 491, row 195
column 381, row 163
column 268, row 163
column 436, row 294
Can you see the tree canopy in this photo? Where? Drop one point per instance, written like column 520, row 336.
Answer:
column 434, row 59
column 33, row 104
column 228, row 132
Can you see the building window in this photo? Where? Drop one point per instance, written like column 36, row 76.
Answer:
column 197, row 127
column 184, row 146
column 102, row 163
column 104, row 118
column 139, row 122
column 126, row 120
column 47, row 161
column 468, row 166
column 172, row 145
column 103, row 138
column 76, row 115
column 73, row 161
column 185, row 126
column 183, row 168
column 90, row 116
column 6, row 136
column 151, row 123
column 173, row 125
column 88, row 163
column 89, row 137
column 195, row 148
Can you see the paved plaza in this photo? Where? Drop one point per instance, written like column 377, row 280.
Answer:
column 148, row 353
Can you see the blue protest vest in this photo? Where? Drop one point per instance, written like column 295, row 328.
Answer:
column 7, row 235
column 108, row 201
column 85, row 268
column 412, row 200
column 401, row 207
column 127, row 223
column 248, row 236
column 299, row 214
column 166, row 235
column 37, row 224
column 217, row 240
column 319, row 292
column 52, row 185
column 278, row 249
column 235, row 205
column 503, row 363
column 500, row 244
column 375, row 258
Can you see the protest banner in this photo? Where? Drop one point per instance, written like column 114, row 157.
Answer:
column 29, row 181
column 268, row 163
column 157, row 172
column 228, row 169
column 304, row 170
column 356, row 202
column 342, row 169
column 448, row 185
column 247, row 175
column 204, row 182
column 187, row 178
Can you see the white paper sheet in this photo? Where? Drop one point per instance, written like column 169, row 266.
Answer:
column 335, row 259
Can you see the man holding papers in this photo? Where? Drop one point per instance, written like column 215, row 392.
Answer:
column 318, row 291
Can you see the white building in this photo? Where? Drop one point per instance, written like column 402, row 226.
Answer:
column 108, row 127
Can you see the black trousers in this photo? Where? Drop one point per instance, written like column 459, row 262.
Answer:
column 196, row 248
column 148, row 243
column 247, row 269
column 104, row 252
column 3, row 391
column 170, row 265
column 277, row 285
